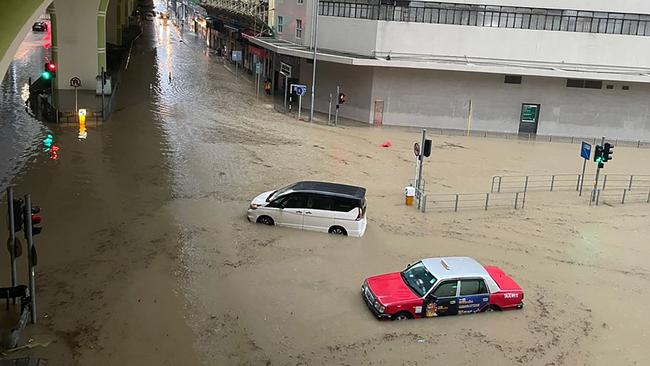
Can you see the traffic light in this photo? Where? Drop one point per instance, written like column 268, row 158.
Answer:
column 342, row 98
column 19, row 208
column 49, row 71
column 31, row 213
column 608, row 152
column 598, row 155
column 427, row 148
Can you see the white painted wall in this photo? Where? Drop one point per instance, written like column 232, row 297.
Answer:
column 513, row 44
column 77, row 42
column 348, row 35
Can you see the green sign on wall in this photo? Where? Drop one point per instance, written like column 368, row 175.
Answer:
column 529, row 113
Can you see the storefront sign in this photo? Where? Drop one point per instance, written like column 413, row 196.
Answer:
column 285, row 69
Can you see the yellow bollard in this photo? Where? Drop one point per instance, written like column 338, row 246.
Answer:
column 409, row 193
column 82, row 124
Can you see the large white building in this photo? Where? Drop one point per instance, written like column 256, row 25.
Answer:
column 560, row 67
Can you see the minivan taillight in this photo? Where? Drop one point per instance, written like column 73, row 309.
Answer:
column 360, row 214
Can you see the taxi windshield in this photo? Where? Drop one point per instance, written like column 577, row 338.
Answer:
column 418, row 278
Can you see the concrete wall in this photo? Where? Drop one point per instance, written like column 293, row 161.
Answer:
column 78, row 39
column 355, row 82
column 512, row 44
column 440, row 99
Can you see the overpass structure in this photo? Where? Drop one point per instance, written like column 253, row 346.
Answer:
column 80, row 32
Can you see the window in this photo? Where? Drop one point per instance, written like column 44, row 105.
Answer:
column 280, row 24
column 625, row 87
column 319, row 202
column 446, row 289
column 418, row 278
column 472, row 287
column 610, row 86
column 581, row 83
column 344, row 204
column 295, row 201
column 300, row 2
column 512, row 79
column 298, row 28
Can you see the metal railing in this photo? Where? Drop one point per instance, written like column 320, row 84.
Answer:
column 525, row 183
column 565, row 20
column 471, row 201
column 625, row 181
column 622, row 196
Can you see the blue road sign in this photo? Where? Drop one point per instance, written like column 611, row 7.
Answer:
column 236, row 56
column 258, row 68
column 301, row 90
column 585, row 151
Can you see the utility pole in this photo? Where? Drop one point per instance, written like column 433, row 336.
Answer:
column 12, row 235
column 30, row 252
column 313, row 72
column 418, row 184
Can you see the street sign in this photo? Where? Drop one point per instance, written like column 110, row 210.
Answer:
column 416, row 149
column 285, row 69
column 75, row 82
column 529, row 113
column 585, row 151
column 300, row 90
column 258, row 68
column 236, row 56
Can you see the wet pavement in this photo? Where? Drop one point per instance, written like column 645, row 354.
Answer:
column 20, row 134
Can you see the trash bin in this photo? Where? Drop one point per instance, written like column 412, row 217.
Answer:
column 410, row 195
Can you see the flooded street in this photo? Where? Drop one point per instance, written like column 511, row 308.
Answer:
column 147, row 258
column 20, row 134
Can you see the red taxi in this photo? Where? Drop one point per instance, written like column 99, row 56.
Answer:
column 441, row 286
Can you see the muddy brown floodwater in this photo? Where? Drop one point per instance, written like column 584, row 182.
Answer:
column 147, row 257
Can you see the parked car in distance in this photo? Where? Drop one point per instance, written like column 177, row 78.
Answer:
column 441, row 286
column 39, row 27
column 321, row 206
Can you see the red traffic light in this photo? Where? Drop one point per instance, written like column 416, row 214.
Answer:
column 342, row 98
column 36, row 219
column 51, row 67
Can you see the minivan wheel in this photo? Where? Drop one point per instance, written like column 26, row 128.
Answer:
column 265, row 220
column 337, row 230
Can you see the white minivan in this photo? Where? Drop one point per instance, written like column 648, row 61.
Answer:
column 327, row 207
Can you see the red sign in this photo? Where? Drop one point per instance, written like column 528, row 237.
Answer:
column 260, row 52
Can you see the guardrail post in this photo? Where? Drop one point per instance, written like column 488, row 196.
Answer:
column 516, row 199
column 630, row 186
column 638, row 144
column 623, row 199
column 648, row 200
column 552, row 182
column 456, row 204
column 424, row 204
column 597, row 196
column 492, row 187
column 526, row 185
column 523, row 201
column 487, row 200
column 604, row 181
column 499, row 189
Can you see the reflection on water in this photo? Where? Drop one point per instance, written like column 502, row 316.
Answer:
column 20, row 134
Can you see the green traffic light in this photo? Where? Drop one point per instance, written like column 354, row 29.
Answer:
column 46, row 75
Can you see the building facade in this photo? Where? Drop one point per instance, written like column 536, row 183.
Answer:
column 547, row 67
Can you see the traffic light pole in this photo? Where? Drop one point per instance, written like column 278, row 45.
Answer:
column 336, row 113
column 594, row 192
column 418, row 184
column 12, row 235
column 30, row 251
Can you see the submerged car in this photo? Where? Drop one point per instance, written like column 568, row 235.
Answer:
column 441, row 286
column 39, row 27
column 321, row 206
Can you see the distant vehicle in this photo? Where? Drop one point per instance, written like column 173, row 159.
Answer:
column 441, row 286
column 39, row 27
column 327, row 207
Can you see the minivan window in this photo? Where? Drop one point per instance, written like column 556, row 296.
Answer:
column 318, row 202
column 343, row 204
column 295, row 201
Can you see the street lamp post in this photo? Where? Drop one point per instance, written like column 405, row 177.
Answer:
column 313, row 74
